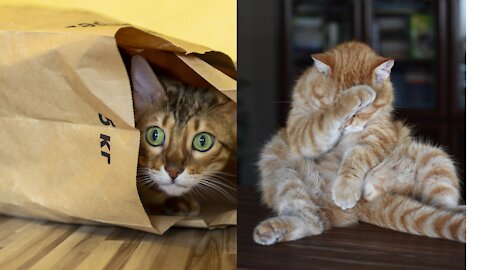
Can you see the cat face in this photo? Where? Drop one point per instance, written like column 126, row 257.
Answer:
column 358, row 122
column 187, row 134
column 351, row 64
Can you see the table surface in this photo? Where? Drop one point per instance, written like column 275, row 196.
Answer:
column 31, row 244
column 362, row 246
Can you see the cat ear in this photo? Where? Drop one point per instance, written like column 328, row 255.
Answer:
column 323, row 63
column 229, row 109
column 147, row 89
column 228, row 112
column 382, row 71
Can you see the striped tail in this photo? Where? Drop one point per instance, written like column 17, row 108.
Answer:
column 405, row 214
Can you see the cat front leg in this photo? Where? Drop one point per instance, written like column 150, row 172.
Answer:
column 347, row 188
column 313, row 131
column 284, row 228
column 372, row 147
column 284, row 191
column 297, row 215
column 373, row 186
column 346, row 192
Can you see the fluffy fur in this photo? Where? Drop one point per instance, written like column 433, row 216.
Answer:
column 340, row 139
column 169, row 171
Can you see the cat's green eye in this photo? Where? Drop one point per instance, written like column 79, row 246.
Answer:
column 203, row 141
column 155, row 136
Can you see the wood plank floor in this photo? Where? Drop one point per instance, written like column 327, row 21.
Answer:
column 31, row 244
column 360, row 247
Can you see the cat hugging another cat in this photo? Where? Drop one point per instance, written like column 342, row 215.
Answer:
column 342, row 158
column 188, row 137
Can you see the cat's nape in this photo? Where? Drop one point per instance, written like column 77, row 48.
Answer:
column 340, row 140
column 188, row 136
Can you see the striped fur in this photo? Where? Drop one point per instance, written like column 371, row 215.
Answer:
column 417, row 170
column 405, row 214
column 181, row 111
column 329, row 108
column 339, row 140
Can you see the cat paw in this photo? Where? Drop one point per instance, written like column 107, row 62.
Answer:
column 177, row 206
column 366, row 95
column 346, row 195
column 271, row 231
column 355, row 99
column 370, row 192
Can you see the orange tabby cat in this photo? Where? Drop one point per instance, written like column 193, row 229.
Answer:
column 338, row 130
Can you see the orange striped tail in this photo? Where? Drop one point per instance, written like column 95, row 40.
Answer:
column 405, row 214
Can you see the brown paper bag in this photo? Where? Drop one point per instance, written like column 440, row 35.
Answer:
column 68, row 143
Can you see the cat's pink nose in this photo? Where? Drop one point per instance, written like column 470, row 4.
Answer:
column 173, row 171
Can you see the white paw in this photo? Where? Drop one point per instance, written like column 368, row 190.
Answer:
column 346, row 196
column 370, row 192
column 270, row 231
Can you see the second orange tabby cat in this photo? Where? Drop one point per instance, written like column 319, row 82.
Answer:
column 340, row 139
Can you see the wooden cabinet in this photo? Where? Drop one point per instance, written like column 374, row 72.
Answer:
column 426, row 38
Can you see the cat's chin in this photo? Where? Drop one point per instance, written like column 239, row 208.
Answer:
column 353, row 129
column 174, row 189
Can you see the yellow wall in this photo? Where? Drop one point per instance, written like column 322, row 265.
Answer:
column 212, row 23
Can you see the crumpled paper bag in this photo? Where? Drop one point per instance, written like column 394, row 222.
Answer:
column 68, row 143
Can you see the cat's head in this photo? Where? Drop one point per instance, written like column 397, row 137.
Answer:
column 187, row 134
column 354, row 63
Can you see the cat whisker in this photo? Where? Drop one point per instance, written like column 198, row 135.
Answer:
column 206, row 191
column 220, row 184
column 222, row 173
column 146, row 179
column 149, row 185
column 220, row 177
column 217, row 193
column 227, row 174
column 218, row 189
column 196, row 192
column 220, row 180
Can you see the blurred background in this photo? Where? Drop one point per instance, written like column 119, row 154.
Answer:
column 212, row 23
column 426, row 38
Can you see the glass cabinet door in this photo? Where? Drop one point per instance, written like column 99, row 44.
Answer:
column 458, row 87
column 406, row 31
column 459, row 33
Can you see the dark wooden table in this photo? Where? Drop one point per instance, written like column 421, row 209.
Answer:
column 362, row 246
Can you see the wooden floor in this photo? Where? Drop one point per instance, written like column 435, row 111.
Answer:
column 30, row 244
column 359, row 247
